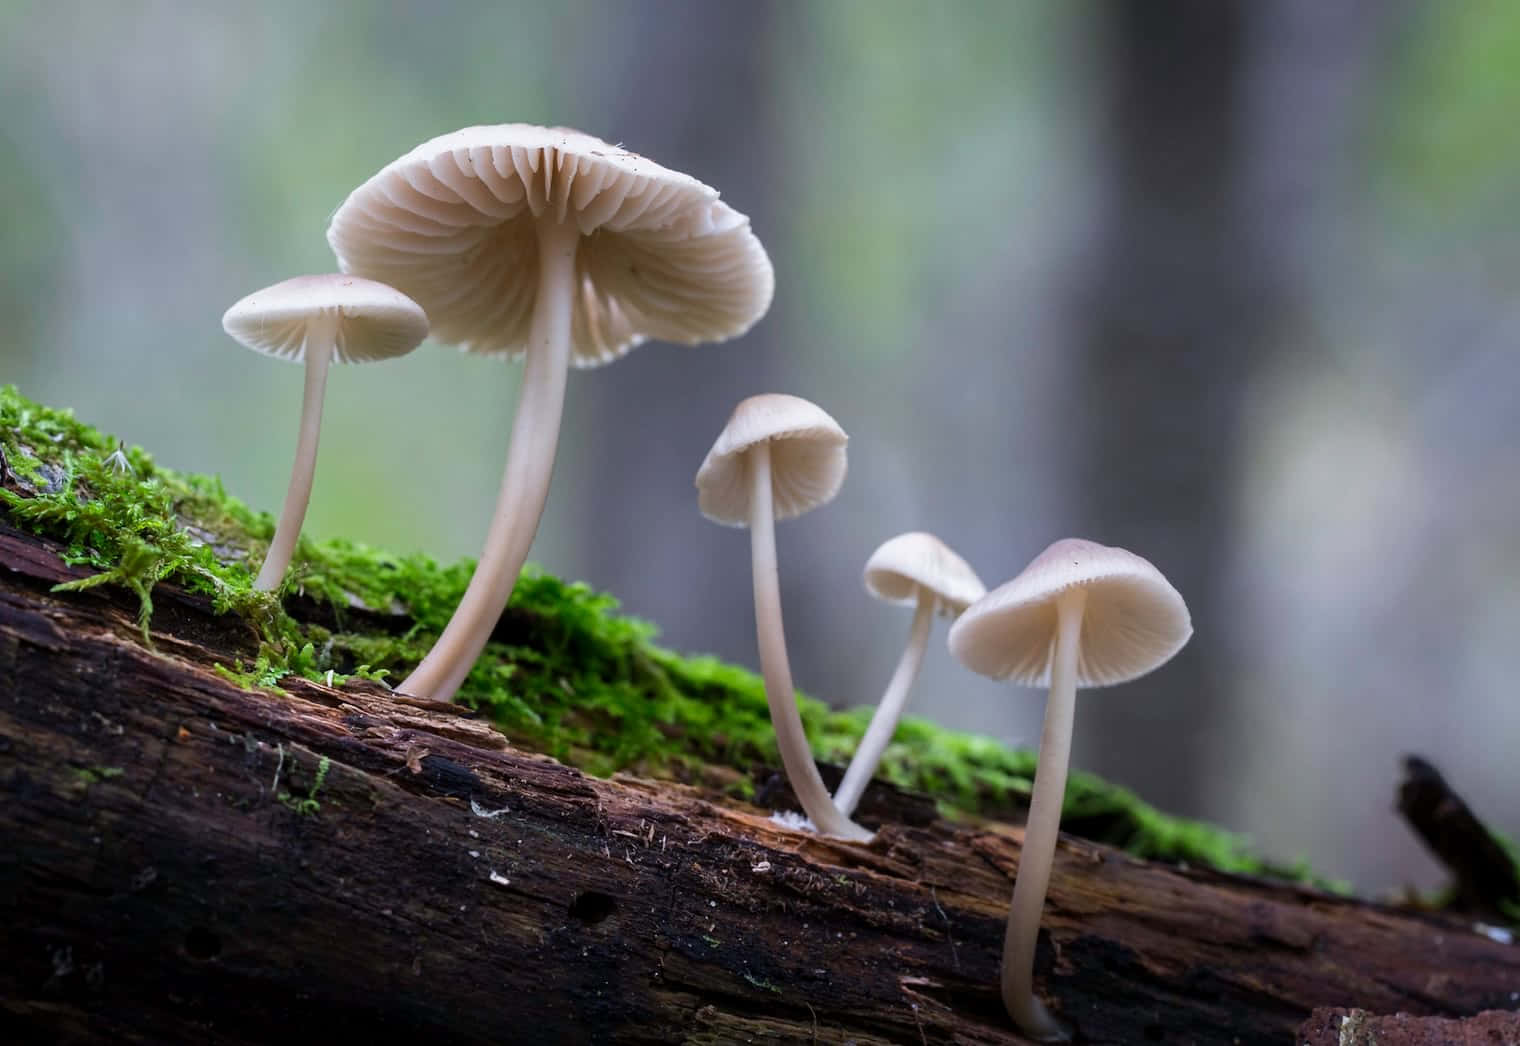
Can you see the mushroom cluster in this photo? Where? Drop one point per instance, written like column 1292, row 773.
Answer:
column 553, row 246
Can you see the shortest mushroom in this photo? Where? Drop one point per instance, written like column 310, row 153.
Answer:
column 316, row 319
column 778, row 457
column 921, row 571
column 1081, row 614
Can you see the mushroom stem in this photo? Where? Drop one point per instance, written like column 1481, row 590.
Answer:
column 525, row 479
column 321, row 333
column 884, row 721
column 1042, row 827
column 796, row 755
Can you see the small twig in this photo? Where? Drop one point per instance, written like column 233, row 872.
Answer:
column 274, row 787
column 1487, row 881
column 812, row 1013
column 954, row 954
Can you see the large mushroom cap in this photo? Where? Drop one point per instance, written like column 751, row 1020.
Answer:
column 453, row 224
column 375, row 322
column 1133, row 622
column 808, row 460
column 909, row 562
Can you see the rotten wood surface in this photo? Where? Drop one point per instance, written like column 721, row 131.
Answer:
column 167, row 875
column 1360, row 1028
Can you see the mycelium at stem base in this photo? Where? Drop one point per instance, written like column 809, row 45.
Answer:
column 525, row 479
column 320, row 335
column 1042, row 828
column 791, row 739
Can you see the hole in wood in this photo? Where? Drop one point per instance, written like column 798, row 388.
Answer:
column 591, row 907
column 202, row 944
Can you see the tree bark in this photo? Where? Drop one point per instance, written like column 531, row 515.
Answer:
column 178, row 866
column 1196, row 289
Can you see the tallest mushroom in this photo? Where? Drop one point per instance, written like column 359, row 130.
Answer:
column 553, row 245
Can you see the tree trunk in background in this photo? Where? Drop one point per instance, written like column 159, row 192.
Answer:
column 653, row 415
column 1225, row 121
column 1182, row 310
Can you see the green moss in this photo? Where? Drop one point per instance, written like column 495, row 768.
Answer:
column 761, row 983
column 307, row 805
column 573, row 679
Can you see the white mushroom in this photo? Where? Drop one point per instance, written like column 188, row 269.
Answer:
column 778, row 457
column 551, row 244
column 921, row 571
column 1081, row 614
column 315, row 320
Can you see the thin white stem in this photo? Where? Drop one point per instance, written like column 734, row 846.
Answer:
column 1042, row 828
column 796, row 755
column 321, row 334
column 884, row 721
column 525, row 479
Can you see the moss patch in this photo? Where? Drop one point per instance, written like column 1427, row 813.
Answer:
column 567, row 675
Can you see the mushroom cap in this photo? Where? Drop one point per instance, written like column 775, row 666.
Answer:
column 453, row 223
column 808, row 460
column 908, row 563
column 1133, row 622
column 375, row 322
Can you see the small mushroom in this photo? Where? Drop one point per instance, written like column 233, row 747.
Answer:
column 315, row 320
column 1081, row 614
column 921, row 571
column 778, row 457
column 553, row 245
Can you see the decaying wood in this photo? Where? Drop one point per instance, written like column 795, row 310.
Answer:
column 171, row 872
column 1360, row 1028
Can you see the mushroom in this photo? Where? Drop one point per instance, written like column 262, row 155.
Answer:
column 318, row 319
column 1081, row 614
column 918, row 570
column 778, row 457
column 550, row 244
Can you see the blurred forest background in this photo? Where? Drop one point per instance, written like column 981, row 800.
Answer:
column 1229, row 283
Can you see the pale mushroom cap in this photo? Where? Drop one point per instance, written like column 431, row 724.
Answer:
column 808, row 460
column 1133, row 622
column 915, row 561
column 375, row 322
column 453, row 223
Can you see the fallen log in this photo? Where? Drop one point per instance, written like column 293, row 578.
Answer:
column 187, row 860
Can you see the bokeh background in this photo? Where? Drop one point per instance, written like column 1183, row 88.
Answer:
column 1229, row 283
